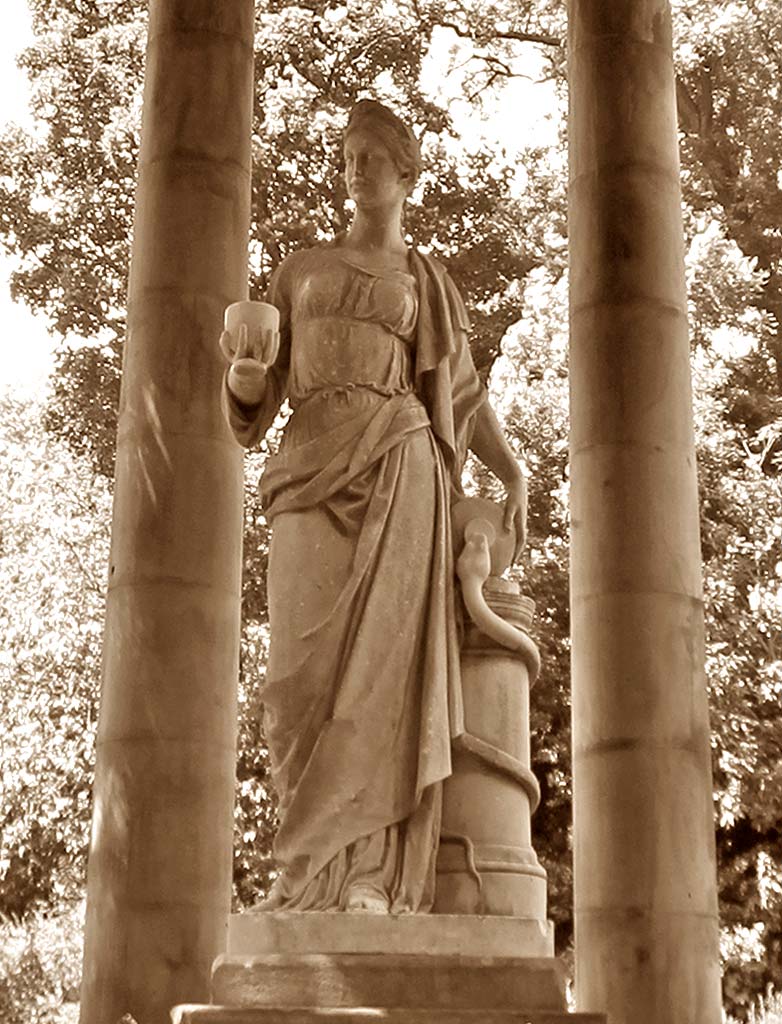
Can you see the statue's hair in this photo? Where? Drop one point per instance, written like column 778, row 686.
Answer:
column 398, row 138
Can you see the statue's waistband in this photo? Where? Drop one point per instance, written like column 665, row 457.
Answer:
column 347, row 389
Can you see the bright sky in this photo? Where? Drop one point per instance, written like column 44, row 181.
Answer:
column 25, row 344
column 524, row 113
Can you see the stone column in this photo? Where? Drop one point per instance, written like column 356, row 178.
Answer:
column 645, row 885
column 159, row 877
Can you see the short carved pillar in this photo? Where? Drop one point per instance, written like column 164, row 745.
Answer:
column 486, row 863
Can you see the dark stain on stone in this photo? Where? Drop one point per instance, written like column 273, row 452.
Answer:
column 642, row 955
column 662, row 31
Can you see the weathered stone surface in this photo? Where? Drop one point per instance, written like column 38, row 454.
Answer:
column 180, row 550
column 486, row 863
column 246, row 1015
column 629, row 486
column 159, row 877
column 382, row 981
column 254, row 934
column 362, row 690
column 643, row 346
column 644, row 868
column 630, row 249
column 233, row 21
column 639, row 951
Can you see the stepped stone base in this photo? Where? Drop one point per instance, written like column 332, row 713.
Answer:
column 420, row 981
column 238, row 1015
column 311, row 968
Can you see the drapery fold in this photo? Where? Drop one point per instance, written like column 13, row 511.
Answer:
column 363, row 694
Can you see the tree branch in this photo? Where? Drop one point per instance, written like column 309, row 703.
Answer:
column 508, row 35
column 541, row 38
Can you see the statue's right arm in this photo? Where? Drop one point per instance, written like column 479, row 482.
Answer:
column 249, row 422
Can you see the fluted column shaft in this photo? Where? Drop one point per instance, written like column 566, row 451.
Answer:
column 645, row 879
column 159, row 877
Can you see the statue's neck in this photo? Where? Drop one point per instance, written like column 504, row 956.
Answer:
column 377, row 233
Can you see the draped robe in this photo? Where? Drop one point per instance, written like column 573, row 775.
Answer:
column 362, row 695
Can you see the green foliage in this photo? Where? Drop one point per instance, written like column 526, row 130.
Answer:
column 66, row 198
column 730, row 108
column 65, row 212
column 255, row 812
column 741, row 526
column 54, row 524
column 40, row 968
column 766, row 1010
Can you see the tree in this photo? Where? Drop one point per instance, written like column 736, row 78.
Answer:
column 65, row 212
column 54, row 516
column 741, row 525
column 729, row 105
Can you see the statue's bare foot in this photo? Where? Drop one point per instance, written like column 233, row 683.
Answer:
column 365, row 900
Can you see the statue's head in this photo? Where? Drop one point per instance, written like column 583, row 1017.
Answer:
column 396, row 136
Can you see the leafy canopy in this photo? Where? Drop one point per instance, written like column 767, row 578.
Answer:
column 66, row 200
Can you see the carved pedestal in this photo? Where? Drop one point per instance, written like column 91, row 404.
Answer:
column 486, row 864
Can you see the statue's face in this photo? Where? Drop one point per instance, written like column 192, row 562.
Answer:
column 371, row 174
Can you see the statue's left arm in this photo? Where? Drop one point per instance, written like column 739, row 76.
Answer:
column 455, row 398
column 489, row 444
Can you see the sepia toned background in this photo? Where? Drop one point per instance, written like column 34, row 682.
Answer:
column 66, row 192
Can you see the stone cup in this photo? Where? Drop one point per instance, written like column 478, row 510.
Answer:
column 259, row 318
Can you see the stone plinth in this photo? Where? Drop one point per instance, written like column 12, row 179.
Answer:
column 383, row 981
column 418, row 934
column 493, row 962
column 486, row 864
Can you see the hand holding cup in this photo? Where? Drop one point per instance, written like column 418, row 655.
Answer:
column 250, row 341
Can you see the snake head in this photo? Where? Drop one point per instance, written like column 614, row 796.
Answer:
column 474, row 563
column 491, row 516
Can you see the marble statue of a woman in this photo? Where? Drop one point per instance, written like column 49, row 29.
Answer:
column 362, row 693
